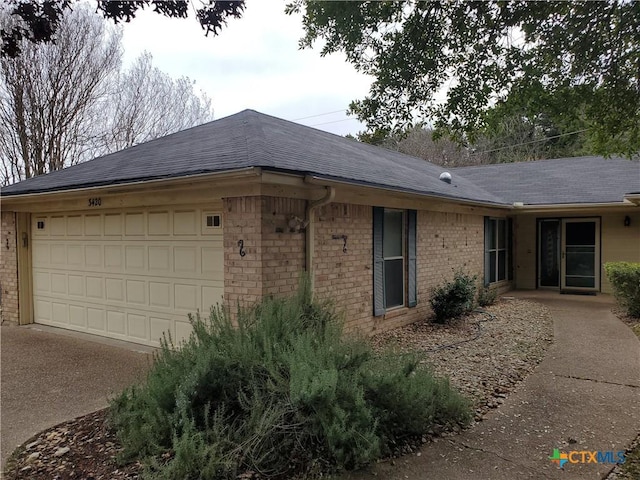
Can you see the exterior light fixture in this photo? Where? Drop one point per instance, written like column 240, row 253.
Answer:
column 627, row 221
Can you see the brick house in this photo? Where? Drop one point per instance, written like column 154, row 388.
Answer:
column 127, row 245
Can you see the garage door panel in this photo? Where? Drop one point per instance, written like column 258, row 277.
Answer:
column 93, row 256
column 134, row 257
column 94, row 287
column 158, row 223
column 42, row 282
column 96, row 319
column 185, row 259
column 210, row 297
column 59, row 254
column 136, row 291
column 212, row 260
column 137, row 326
column 113, row 224
column 42, row 311
column 76, row 285
column 160, row 259
column 74, row 226
column 59, row 313
column 134, row 224
column 186, row 297
column 127, row 275
column 185, row 222
column 113, row 257
column 77, row 316
column 160, row 294
column 115, row 323
column 41, row 254
column 57, row 226
column 159, row 325
column 93, row 225
column 75, row 254
column 59, row 283
column 115, row 289
column 183, row 330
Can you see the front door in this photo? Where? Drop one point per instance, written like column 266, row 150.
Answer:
column 580, row 254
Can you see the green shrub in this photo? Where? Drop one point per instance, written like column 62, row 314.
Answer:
column 453, row 298
column 281, row 392
column 487, row 296
column 625, row 279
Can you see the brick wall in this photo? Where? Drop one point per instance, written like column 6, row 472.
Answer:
column 9, row 269
column 346, row 278
column 275, row 256
column 283, row 251
column 445, row 242
column 274, row 252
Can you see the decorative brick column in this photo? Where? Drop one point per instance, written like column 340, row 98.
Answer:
column 263, row 252
column 9, row 308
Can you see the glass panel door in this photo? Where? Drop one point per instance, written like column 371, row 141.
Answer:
column 549, row 259
column 581, row 253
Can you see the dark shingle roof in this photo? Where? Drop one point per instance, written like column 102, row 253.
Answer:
column 251, row 139
column 558, row 181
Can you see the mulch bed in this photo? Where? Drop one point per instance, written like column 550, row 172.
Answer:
column 83, row 448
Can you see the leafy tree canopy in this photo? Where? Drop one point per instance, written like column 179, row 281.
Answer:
column 463, row 64
column 38, row 20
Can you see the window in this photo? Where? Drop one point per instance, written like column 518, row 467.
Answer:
column 497, row 250
column 394, row 250
column 213, row 220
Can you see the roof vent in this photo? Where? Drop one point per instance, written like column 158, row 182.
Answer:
column 445, row 177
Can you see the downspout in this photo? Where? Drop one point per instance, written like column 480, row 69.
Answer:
column 310, row 229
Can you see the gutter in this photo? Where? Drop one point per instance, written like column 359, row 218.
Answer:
column 529, row 208
column 633, row 198
column 310, row 228
column 115, row 187
column 318, row 180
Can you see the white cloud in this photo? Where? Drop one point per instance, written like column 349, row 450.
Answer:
column 253, row 63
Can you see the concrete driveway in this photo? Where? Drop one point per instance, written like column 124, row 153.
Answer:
column 49, row 375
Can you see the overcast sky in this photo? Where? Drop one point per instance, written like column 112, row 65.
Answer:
column 253, row 63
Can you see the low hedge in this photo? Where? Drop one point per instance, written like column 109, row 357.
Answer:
column 278, row 392
column 625, row 280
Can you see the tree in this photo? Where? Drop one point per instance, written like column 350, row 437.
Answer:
column 69, row 101
column 151, row 104
column 487, row 54
column 419, row 142
column 37, row 21
column 51, row 96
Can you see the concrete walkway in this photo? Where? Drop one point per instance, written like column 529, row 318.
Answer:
column 586, row 390
column 51, row 375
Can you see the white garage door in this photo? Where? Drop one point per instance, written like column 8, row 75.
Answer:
column 130, row 275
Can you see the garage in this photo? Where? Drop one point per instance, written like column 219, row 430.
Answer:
column 127, row 274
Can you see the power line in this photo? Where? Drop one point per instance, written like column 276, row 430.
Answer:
column 318, row 115
column 334, row 121
column 530, row 142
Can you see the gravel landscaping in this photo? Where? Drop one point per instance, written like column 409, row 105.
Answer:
column 484, row 354
column 512, row 338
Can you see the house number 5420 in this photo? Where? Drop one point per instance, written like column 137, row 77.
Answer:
column 95, row 202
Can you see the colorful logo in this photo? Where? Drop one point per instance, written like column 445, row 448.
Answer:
column 586, row 456
column 559, row 458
